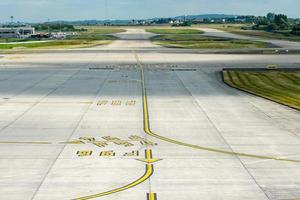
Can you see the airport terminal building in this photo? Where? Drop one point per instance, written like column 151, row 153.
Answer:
column 16, row 32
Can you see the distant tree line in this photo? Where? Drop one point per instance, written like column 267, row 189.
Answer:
column 45, row 27
column 296, row 30
column 276, row 22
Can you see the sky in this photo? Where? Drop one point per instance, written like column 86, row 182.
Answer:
column 42, row 10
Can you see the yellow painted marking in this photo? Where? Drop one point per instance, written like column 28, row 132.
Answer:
column 143, row 141
column 130, row 103
column 88, row 139
column 107, row 153
column 12, row 142
column 118, row 141
column 149, row 158
column 100, row 144
column 116, row 103
column 100, row 103
column 151, row 196
column 131, row 154
column 84, row 153
column 73, row 142
column 147, row 175
column 149, row 132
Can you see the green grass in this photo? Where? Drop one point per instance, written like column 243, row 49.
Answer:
column 236, row 29
column 94, row 36
column 75, row 43
column 6, row 40
column 174, row 31
column 204, row 42
column 278, row 86
column 268, row 35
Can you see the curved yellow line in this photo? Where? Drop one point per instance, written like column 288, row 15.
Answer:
column 147, row 175
column 148, row 131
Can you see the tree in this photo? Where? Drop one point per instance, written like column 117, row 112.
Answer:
column 296, row 30
column 272, row 27
column 271, row 17
column 54, row 27
column 262, row 21
column 281, row 21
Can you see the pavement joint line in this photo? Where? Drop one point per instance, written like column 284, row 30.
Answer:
column 149, row 132
column 225, row 86
column 148, row 173
column 39, row 186
column 36, row 83
column 36, row 103
column 75, row 128
column 220, row 134
column 136, row 66
column 252, row 94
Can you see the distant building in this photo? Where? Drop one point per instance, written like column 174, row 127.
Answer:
column 8, row 33
column 16, row 32
column 198, row 20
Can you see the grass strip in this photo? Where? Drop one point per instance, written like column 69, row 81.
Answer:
column 270, row 85
column 204, row 42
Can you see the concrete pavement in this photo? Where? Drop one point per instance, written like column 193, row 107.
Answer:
column 280, row 43
column 79, row 126
column 133, row 39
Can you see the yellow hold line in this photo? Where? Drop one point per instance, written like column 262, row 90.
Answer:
column 148, row 131
column 147, row 175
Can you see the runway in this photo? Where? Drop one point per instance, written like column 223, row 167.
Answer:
column 142, row 125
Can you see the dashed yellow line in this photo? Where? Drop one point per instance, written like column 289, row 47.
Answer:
column 148, row 130
column 147, row 175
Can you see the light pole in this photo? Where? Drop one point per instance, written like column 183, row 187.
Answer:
column 106, row 13
column 11, row 23
column 48, row 26
column 11, row 20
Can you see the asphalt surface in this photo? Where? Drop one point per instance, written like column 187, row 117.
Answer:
column 145, row 125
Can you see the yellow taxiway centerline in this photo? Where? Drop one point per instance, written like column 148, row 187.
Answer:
column 149, row 132
column 147, row 175
column 152, row 196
